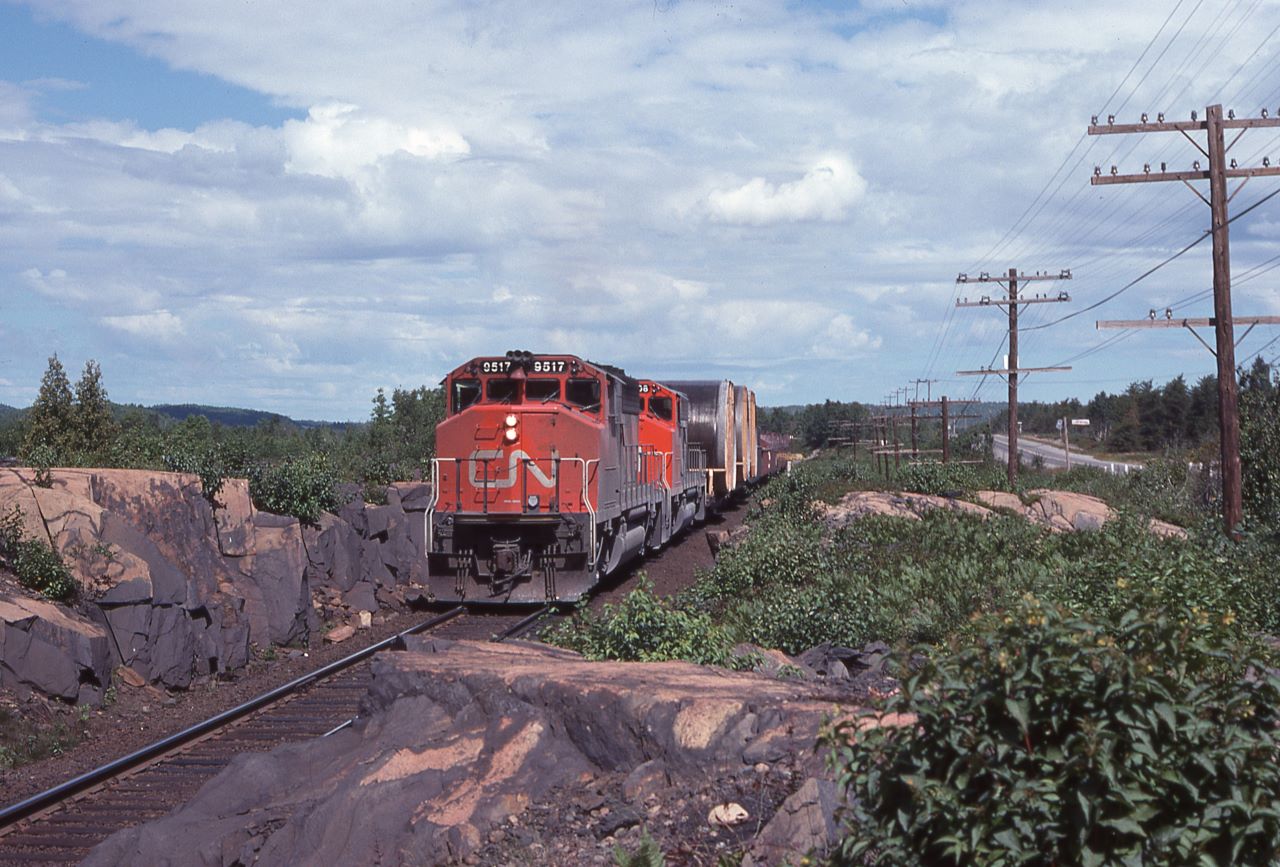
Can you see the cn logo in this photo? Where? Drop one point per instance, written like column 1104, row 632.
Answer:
column 515, row 460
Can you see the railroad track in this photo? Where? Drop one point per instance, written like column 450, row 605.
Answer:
column 61, row 825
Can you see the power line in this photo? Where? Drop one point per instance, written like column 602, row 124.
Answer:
column 1154, row 268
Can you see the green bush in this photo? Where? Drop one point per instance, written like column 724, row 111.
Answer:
column 775, row 551
column 208, row 463
column 644, row 628
column 304, row 487
column 1147, row 737
column 793, row 619
column 42, row 458
column 932, row 477
column 37, row 566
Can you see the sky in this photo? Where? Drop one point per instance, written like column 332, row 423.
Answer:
column 287, row 205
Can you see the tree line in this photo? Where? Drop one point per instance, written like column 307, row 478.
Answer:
column 1143, row 418
column 79, row 426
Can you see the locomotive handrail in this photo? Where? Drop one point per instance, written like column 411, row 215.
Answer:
column 435, row 498
column 591, row 512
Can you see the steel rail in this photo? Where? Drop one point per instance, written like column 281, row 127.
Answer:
column 36, row 803
column 523, row 625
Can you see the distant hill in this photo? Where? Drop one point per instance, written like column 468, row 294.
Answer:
column 8, row 412
column 230, row 416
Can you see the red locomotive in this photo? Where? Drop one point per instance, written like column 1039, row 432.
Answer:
column 552, row 471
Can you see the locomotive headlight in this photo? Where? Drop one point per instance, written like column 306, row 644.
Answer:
column 510, row 435
column 512, row 419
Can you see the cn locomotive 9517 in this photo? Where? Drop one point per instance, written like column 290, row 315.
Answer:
column 552, row 472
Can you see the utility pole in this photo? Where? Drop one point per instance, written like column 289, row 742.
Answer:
column 946, row 430
column 946, row 419
column 1012, row 370
column 1215, row 151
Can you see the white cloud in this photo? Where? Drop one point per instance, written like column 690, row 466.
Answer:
column 824, row 193
column 160, row 325
column 764, row 186
column 338, row 139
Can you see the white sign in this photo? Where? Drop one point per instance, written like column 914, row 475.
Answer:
column 1079, row 422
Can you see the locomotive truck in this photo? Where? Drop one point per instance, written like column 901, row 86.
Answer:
column 552, row 472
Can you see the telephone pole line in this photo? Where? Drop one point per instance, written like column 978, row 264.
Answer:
column 1217, row 174
column 1011, row 371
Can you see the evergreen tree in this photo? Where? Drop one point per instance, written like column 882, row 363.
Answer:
column 95, row 428
column 1177, row 407
column 380, row 422
column 415, row 414
column 1260, row 446
column 50, row 423
column 1202, row 415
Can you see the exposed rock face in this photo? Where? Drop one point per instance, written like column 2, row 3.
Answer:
column 1065, row 510
column 179, row 589
column 859, row 504
column 462, row 740
column 1060, row 511
column 44, row 646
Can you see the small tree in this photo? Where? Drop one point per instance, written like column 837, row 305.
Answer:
column 1260, row 445
column 95, row 428
column 50, row 422
column 380, row 423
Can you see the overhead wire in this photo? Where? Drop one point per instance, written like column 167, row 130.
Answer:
column 1076, row 220
column 1018, row 224
column 1145, row 274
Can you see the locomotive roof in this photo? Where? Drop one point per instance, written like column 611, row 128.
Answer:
column 518, row 356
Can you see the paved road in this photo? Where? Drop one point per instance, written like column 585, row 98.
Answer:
column 1053, row 456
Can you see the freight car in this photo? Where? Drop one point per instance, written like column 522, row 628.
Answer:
column 552, row 472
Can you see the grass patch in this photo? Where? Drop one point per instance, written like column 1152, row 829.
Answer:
column 23, row 741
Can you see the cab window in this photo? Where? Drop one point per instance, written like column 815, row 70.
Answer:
column 465, row 393
column 660, row 406
column 541, row 390
column 583, row 393
column 502, row 391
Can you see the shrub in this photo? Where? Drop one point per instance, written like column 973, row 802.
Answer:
column 644, row 628
column 793, row 619
column 37, row 566
column 42, row 458
column 932, row 477
column 302, row 486
column 1144, row 737
column 776, row 550
column 207, row 463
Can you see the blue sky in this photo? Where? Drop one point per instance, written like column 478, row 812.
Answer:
column 79, row 78
column 286, row 206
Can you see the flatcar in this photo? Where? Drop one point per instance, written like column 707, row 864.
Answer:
column 552, row 471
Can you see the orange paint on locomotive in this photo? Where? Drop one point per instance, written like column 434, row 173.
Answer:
column 658, row 423
column 514, row 436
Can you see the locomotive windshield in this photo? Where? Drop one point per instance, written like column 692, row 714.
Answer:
column 542, row 390
column 465, row 393
column 502, row 391
column 660, row 405
column 583, row 393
